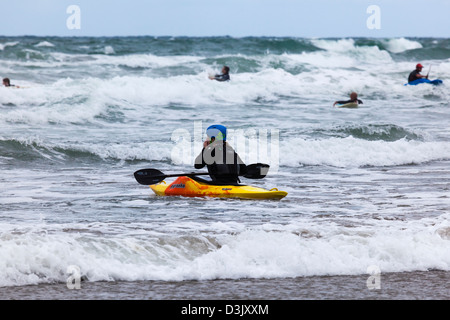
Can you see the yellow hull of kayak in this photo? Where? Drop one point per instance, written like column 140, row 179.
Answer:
column 187, row 187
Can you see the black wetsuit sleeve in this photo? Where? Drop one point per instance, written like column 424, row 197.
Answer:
column 222, row 77
column 349, row 101
column 243, row 169
column 199, row 162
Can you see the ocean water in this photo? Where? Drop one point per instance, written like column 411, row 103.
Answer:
column 367, row 211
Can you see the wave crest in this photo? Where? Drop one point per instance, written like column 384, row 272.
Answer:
column 352, row 152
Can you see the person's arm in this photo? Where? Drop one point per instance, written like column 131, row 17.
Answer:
column 342, row 102
column 242, row 166
column 222, row 77
column 417, row 75
column 199, row 162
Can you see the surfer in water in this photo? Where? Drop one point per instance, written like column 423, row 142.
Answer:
column 353, row 99
column 7, row 82
column 414, row 75
column 224, row 76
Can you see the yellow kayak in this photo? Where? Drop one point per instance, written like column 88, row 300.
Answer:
column 188, row 187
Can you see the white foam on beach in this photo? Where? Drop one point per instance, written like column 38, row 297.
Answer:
column 300, row 248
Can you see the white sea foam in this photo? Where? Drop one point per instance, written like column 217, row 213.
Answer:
column 342, row 50
column 44, row 44
column 109, row 50
column 338, row 152
column 341, row 45
column 401, row 45
column 301, row 248
column 8, row 44
column 352, row 152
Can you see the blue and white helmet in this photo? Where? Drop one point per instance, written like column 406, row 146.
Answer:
column 217, row 131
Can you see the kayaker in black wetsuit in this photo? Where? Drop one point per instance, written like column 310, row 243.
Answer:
column 414, row 75
column 353, row 99
column 224, row 76
column 223, row 163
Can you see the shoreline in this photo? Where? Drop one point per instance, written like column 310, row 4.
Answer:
column 417, row 285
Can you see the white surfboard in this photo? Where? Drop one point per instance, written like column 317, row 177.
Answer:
column 348, row 105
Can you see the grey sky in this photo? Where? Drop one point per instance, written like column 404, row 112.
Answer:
column 237, row 18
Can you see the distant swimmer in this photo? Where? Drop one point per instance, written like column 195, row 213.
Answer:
column 224, row 76
column 353, row 99
column 7, row 83
column 415, row 75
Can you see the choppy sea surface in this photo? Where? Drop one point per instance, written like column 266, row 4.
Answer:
column 367, row 211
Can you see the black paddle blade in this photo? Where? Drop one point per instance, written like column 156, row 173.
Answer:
column 149, row 176
column 256, row 171
column 153, row 176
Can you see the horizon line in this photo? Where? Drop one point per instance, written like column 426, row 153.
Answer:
column 222, row 36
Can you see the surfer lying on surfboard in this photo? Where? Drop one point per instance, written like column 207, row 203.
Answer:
column 353, row 99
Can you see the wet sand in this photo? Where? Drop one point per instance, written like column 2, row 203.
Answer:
column 427, row 285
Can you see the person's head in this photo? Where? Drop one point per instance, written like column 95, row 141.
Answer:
column 6, row 82
column 216, row 132
column 225, row 70
column 353, row 95
column 419, row 67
